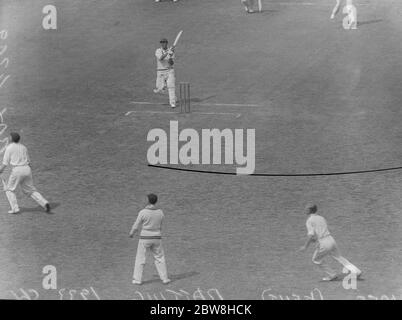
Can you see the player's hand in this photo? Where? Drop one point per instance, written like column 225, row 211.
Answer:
column 131, row 235
column 302, row 248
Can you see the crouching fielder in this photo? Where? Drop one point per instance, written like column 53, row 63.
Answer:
column 150, row 221
column 317, row 230
column 16, row 156
column 165, row 76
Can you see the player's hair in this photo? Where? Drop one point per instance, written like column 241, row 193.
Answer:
column 152, row 198
column 15, row 137
column 312, row 208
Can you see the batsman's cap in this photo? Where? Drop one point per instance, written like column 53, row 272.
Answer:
column 163, row 40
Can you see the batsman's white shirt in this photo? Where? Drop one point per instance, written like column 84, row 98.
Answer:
column 16, row 155
column 163, row 64
column 317, row 227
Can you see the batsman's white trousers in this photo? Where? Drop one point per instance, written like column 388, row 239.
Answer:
column 166, row 79
column 22, row 176
column 327, row 247
column 155, row 245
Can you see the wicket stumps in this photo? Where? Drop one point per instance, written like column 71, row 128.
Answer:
column 184, row 97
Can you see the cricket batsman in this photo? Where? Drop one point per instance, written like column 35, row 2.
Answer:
column 165, row 76
column 317, row 231
column 16, row 156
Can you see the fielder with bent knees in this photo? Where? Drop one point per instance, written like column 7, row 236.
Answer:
column 317, row 231
column 150, row 220
column 16, row 156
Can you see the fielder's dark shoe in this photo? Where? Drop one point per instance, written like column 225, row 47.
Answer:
column 47, row 207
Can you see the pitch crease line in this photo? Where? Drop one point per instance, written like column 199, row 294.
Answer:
column 202, row 104
column 194, row 112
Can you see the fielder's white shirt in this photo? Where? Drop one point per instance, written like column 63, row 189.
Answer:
column 163, row 64
column 150, row 219
column 16, row 154
column 317, row 226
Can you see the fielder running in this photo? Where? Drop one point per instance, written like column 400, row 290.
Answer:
column 16, row 156
column 165, row 77
column 317, row 231
column 150, row 220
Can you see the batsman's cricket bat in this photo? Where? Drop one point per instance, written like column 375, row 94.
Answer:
column 177, row 38
column 4, row 184
column 259, row 5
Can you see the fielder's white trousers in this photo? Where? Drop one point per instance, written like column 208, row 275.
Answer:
column 350, row 10
column 327, row 247
column 249, row 3
column 166, row 79
column 155, row 246
column 22, row 176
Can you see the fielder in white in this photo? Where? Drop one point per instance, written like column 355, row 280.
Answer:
column 350, row 10
column 16, row 156
column 150, row 221
column 165, row 77
column 249, row 5
column 317, row 231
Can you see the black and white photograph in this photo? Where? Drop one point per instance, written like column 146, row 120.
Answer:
column 208, row 150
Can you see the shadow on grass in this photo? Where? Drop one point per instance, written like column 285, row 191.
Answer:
column 201, row 100
column 266, row 12
column 362, row 23
column 341, row 277
column 173, row 277
column 53, row 205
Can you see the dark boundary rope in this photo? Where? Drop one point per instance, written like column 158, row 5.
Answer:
column 278, row 174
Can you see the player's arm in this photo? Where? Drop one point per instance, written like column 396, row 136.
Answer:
column 135, row 226
column 160, row 55
column 29, row 160
column 310, row 239
column 6, row 161
column 310, row 236
column 162, row 220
